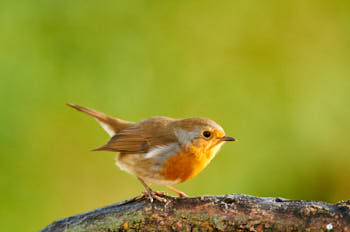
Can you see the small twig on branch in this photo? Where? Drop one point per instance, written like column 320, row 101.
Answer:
column 211, row 213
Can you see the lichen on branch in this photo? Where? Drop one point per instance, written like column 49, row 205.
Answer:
column 233, row 212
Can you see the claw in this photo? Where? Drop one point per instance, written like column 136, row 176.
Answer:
column 147, row 194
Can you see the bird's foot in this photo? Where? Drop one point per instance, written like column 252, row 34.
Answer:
column 161, row 193
column 182, row 194
column 154, row 195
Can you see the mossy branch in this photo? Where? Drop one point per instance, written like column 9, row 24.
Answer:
column 211, row 213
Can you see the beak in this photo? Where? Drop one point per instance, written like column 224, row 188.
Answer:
column 227, row 138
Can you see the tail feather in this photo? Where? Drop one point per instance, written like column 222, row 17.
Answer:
column 110, row 124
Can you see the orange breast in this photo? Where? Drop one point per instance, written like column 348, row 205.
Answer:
column 186, row 164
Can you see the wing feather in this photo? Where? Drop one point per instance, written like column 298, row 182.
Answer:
column 129, row 140
column 139, row 139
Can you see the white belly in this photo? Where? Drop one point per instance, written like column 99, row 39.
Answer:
column 148, row 166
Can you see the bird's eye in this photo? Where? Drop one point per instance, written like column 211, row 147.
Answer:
column 206, row 134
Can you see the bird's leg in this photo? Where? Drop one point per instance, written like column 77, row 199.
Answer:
column 181, row 194
column 150, row 192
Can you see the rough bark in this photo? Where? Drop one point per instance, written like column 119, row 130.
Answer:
column 211, row 213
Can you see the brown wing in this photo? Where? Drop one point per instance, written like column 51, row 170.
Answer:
column 142, row 137
column 129, row 140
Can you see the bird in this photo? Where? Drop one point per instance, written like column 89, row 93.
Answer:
column 161, row 150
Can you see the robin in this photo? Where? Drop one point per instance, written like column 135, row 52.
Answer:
column 161, row 150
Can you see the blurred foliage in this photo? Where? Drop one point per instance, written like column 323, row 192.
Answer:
column 275, row 75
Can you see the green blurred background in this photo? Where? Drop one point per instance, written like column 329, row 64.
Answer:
column 275, row 75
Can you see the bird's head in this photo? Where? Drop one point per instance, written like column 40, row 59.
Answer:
column 200, row 133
